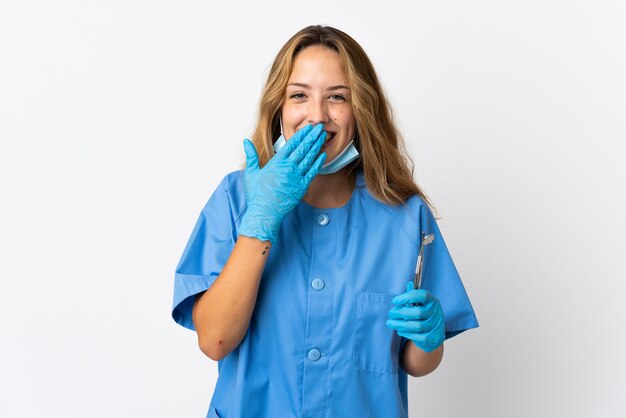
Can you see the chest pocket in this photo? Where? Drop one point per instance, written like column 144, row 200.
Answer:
column 376, row 346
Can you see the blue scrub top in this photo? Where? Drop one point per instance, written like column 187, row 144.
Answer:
column 317, row 344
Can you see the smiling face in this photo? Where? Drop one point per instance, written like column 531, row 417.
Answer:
column 318, row 92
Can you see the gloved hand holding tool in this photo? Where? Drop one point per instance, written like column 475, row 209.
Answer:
column 418, row 316
column 274, row 190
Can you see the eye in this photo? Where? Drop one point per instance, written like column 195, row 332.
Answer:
column 297, row 95
column 337, row 98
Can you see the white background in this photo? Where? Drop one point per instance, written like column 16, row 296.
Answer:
column 119, row 118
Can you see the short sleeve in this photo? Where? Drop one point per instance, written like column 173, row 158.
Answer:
column 208, row 248
column 441, row 278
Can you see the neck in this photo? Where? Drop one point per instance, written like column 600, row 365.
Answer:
column 331, row 190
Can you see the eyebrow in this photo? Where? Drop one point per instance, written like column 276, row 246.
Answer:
column 306, row 86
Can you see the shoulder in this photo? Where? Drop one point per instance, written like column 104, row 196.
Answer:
column 232, row 181
column 413, row 204
column 413, row 207
column 407, row 219
column 419, row 205
column 228, row 195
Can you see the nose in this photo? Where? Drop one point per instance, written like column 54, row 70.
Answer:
column 318, row 112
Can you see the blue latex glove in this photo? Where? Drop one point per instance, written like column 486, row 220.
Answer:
column 274, row 190
column 417, row 315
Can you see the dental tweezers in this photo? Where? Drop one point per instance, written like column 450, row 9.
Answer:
column 417, row 280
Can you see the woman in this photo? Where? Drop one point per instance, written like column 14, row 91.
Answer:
column 295, row 275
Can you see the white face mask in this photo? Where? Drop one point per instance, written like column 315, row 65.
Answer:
column 344, row 158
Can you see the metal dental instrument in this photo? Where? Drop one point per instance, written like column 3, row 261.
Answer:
column 426, row 239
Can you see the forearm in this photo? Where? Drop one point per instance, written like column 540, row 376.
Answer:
column 221, row 315
column 418, row 362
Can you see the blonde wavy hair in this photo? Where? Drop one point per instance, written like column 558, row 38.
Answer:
column 387, row 167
